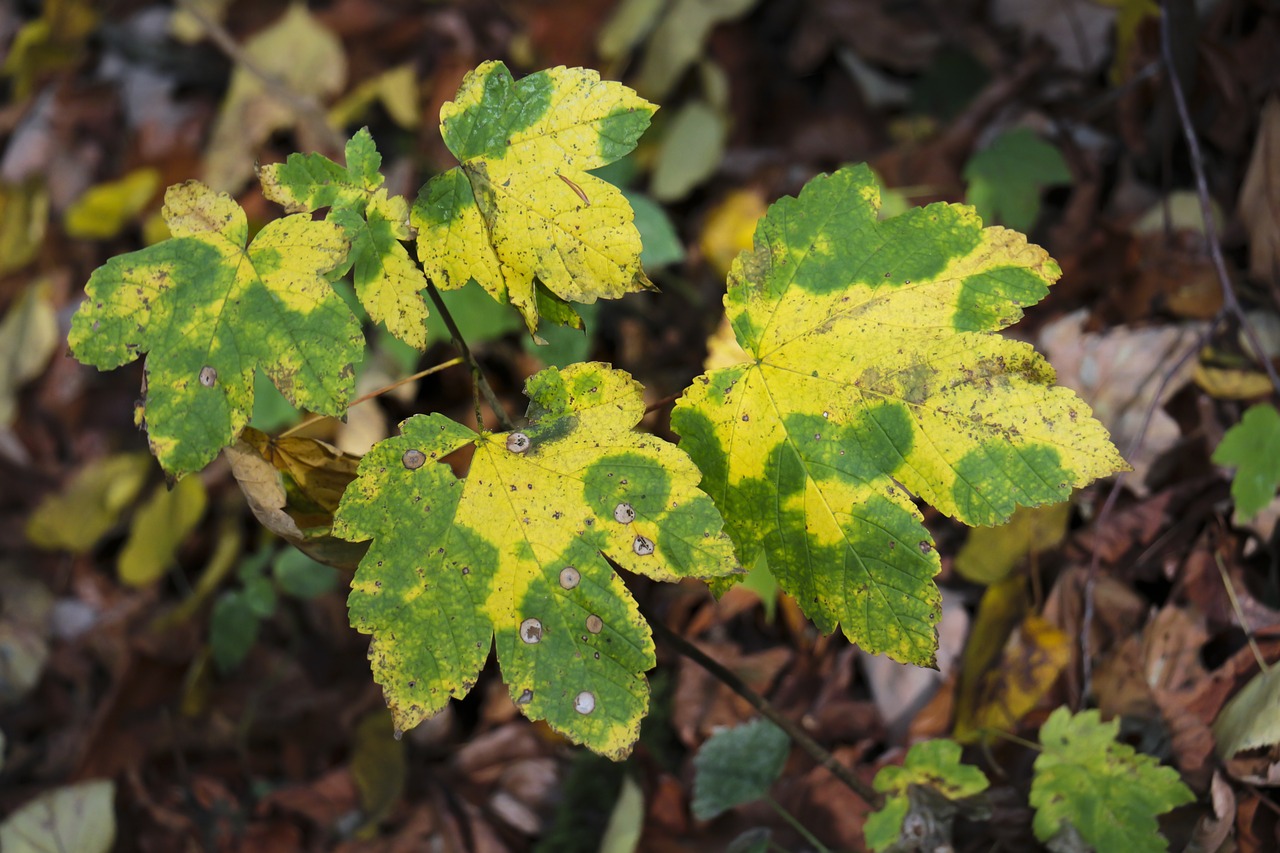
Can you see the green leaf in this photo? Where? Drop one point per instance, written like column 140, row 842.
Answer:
column 934, row 764
column 871, row 366
column 737, row 766
column 1104, row 790
column 662, row 245
column 299, row 575
column 78, row 817
column 518, row 550
column 1007, row 177
column 521, row 205
column 387, row 280
column 209, row 311
column 233, row 629
column 1253, row 448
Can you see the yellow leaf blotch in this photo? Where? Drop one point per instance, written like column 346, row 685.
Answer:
column 870, row 361
column 521, row 207
column 519, row 553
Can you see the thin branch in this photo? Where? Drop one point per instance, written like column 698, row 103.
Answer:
column 375, row 393
column 1230, row 301
column 481, row 383
column 307, row 108
column 798, row 735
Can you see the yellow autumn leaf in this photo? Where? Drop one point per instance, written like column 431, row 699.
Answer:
column 159, row 527
column 90, row 505
column 104, row 210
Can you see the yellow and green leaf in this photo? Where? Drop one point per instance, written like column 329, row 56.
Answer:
column 521, row 208
column 872, row 374
column 209, row 310
column 387, row 281
column 520, row 551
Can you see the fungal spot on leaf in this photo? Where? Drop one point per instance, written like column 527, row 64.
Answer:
column 518, row 442
column 569, row 577
column 597, row 656
column 925, row 547
column 397, row 734
column 414, row 459
column 624, row 513
column 531, row 631
column 526, row 697
column 594, row 623
column 642, row 546
column 584, row 702
column 208, row 376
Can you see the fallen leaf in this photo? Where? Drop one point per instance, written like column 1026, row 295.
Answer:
column 104, row 210
column 678, row 40
column 990, row 554
column 690, row 150
column 24, row 214
column 90, row 505
column 28, row 337
column 74, row 817
column 1032, row 660
column 159, row 527
column 305, row 57
column 379, row 767
column 396, row 89
column 1252, row 718
column 1259, row 204
column 728, row 231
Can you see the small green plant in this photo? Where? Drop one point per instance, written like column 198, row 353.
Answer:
column 1252, row 447
column 870, row 366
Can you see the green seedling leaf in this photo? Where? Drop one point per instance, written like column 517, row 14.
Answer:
column 1252, row 447
column 1252, row 718
column 1104, row 790
column 300, row 576
column 737, row 766
column 871, row 365
column 519, row 551
column 77, row 817
column 1007, row 177
column 662, row 246
column 387, row 280
column 933, row 764
column 209, row 311
column 233, row 629
column 521, row 205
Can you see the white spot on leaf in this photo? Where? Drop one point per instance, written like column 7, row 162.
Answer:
column 208, row 376
column 569, row 577
column 624, row 513
column 518, row 442
column 531, row 630
column 642, row 546
column 584, row 702
column 594, row 623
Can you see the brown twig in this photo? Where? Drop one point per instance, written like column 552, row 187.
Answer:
column 798, row 735
column 1231, row 302
column 308, row 109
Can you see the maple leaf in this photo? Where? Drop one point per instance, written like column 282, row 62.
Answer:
column 933, row 764
column 521, row 205
column 386, row 279
column 871, row 367
column 517, row 551
column 209, row 311
column 1103, row 790
column 1253, row 448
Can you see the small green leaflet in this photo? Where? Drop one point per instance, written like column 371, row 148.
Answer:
column 519, row 551
column 932, row 763
column 386, row 279
column 1007, row 177
column 209, row 311
column 1109, row 793
column 521, row 209
column 737, row 766
column 871, row 366
column 1253, row 448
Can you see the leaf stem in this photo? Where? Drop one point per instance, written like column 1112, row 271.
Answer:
column 477, row 374
column 798, row 735
column 375, row 393
column 795, row 824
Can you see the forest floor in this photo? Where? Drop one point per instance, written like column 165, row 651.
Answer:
column 1153, row 599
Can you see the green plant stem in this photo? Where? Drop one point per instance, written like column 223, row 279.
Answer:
column 795, row 824
column 798, row 735
column 477, row 374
